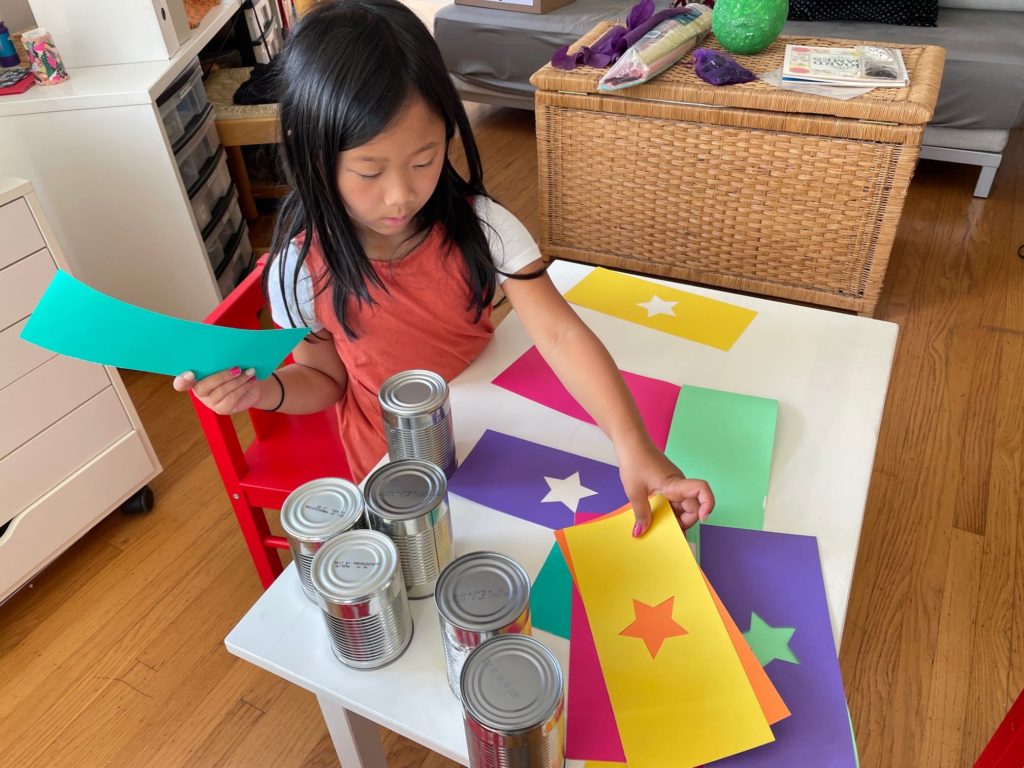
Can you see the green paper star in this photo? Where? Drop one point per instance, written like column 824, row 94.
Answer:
column 769, row 643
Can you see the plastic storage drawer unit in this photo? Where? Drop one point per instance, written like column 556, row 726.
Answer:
column 268, row 46
column 220, row 236
column 230, row 274
column 259, row 18
column 197, row 152
column 182, row 103
column 212, row 190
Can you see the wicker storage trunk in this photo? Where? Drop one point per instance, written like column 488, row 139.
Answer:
column 746, row 187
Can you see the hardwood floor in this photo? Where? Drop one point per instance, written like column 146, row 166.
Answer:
column 932, row 655
column 114, row 655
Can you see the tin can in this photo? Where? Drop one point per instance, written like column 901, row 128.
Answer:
column 408, row 501
column 512, row 705
column 315, row 512
column 417, row 418
column 361, row 592
column 479, row 596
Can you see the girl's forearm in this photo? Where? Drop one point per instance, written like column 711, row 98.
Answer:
column 587, row 370
column 306, row 390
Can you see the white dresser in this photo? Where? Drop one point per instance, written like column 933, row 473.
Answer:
column 72, row 448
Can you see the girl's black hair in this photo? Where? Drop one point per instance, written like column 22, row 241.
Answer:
column 347, row 71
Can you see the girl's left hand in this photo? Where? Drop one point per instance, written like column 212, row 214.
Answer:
column 646, row 471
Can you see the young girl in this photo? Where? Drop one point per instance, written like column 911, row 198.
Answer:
column 392, row 258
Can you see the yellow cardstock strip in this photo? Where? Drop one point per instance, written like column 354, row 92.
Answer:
column 697, row 318
column 681, row 698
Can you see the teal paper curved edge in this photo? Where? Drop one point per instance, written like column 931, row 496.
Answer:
column 75, row 320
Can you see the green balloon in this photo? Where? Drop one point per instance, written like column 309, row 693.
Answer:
column 748, row 26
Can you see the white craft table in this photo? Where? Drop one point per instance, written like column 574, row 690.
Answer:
column 829, row 372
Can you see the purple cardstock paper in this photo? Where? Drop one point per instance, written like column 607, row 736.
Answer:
column 515, row 476
column 778, row 577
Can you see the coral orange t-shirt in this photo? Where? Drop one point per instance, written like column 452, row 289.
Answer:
column 422, row 320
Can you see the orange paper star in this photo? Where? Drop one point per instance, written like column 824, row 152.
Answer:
column 653, row 624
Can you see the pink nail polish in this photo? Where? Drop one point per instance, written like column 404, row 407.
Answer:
column 637, row 530
column 236, row 371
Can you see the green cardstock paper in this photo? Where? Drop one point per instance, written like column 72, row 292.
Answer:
column 75, row 320
column 726, row 439
column 551, row 596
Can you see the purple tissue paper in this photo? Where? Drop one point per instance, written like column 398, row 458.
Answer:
column 719, row 68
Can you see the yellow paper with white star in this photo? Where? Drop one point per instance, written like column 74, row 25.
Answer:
column 677, row 686
column 697, row 318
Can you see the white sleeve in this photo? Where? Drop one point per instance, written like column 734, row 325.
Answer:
column 511, row 246
column 294, row 296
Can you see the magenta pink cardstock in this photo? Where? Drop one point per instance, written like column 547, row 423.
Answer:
column 590, row 729
column 532, row 378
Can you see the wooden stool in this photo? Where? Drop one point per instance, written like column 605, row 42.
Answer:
column 240, row 126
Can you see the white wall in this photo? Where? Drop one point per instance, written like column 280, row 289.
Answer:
column 16, row 15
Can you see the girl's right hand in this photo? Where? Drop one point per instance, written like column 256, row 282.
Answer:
column 226, row 392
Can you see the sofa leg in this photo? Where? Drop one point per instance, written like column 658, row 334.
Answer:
column 985, row 179
column 989, row 162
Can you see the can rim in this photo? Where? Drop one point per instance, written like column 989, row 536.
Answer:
column 302, row 525
column 332, row 590
column 473, row 700
column 434, row 484
column 452, row 612
column 435, row 393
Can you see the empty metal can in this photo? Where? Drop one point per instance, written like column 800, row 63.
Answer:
column 361, row 592
column 408, row 501
column 512, row 705
column 315, row 512
column 418, row 418
column 479, row 596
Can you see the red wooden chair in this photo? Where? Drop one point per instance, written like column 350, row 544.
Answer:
column 286, row 451
column 1006, row 747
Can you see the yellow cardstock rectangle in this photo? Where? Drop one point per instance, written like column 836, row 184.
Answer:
column 697, row 318
column 692, row 702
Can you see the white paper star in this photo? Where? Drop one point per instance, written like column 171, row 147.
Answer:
column 658, row 306
column 568, row 491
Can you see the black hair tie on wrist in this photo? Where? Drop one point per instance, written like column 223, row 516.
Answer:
column 281, row 385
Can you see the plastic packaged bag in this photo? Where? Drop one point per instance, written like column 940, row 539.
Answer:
column 881, row 62
column 659, row 49
column 642, row 18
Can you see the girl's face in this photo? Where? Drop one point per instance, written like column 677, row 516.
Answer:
column 384, row 182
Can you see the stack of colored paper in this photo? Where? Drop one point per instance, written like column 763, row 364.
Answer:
column 673, row 675
column 663, row 689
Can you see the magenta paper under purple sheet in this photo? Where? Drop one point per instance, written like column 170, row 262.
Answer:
column 590, row 729
column 777, row 576
column 534, row 482
column 532, row 378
